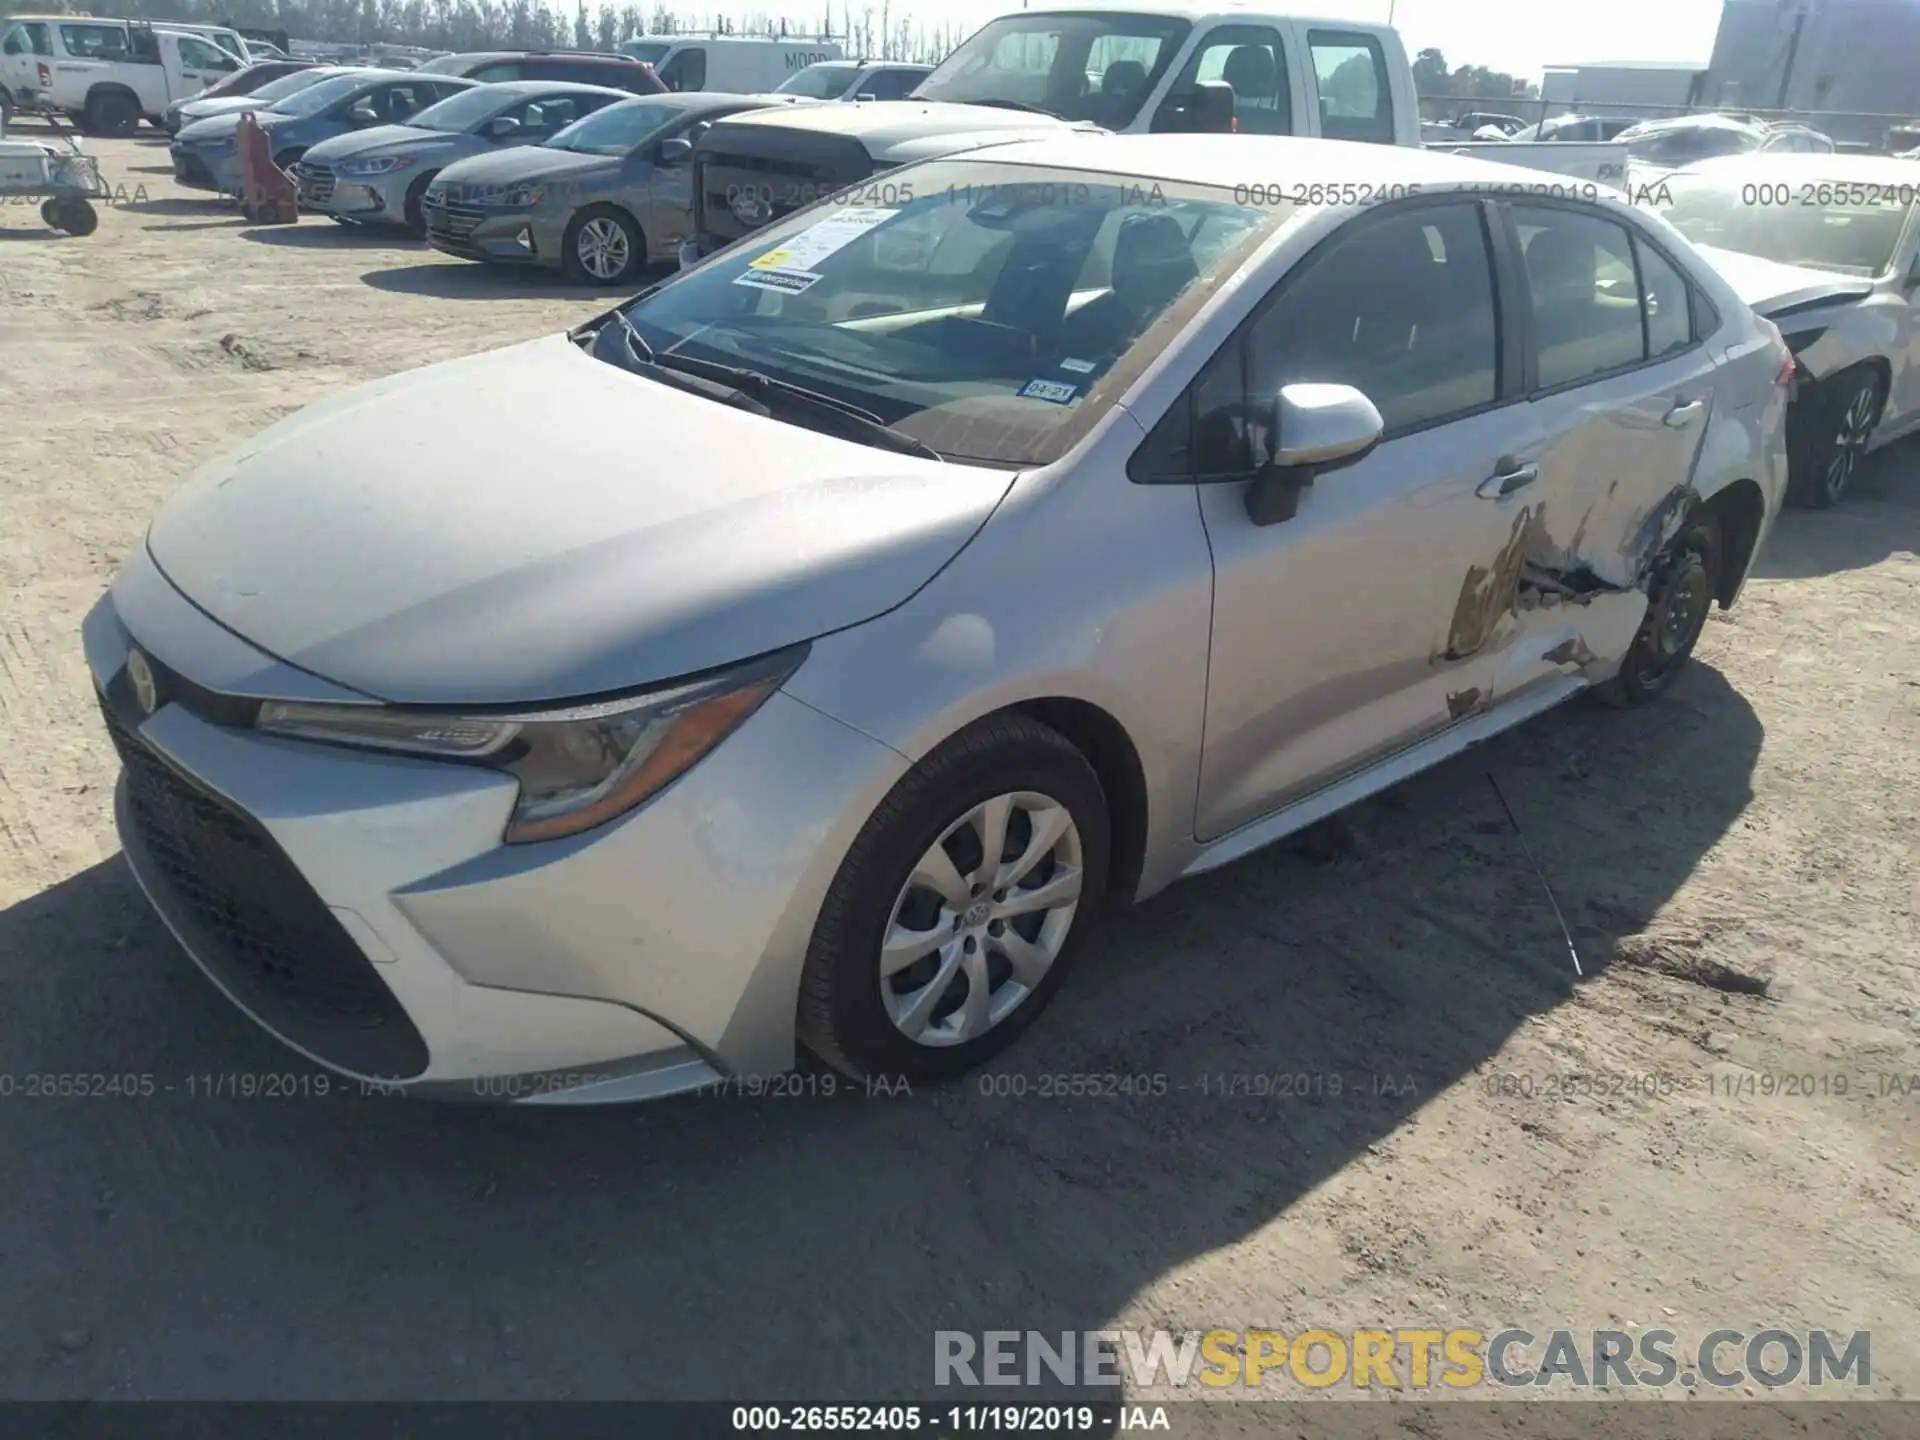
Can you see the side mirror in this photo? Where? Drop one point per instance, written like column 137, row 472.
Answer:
column 1211, row 112
column 501, row 126
column 676, row 151
column 1316, row 429
column 866, row 95
column 362, row 113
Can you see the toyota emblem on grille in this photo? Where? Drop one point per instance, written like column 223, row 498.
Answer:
column 146, row 689
column 750, row 209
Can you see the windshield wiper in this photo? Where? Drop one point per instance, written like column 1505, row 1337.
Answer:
column 617, row 342
column 764, row 388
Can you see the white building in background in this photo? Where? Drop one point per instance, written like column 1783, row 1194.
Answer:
column 1644, row 88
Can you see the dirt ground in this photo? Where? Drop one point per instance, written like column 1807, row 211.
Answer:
column 1660, row 1144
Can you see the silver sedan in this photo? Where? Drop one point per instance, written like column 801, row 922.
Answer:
column 378, row 176
column 805, row 652
column 1828, row 246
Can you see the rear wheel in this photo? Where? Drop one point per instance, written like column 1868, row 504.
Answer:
column 602, row 247
column 1840, row 419
column 112, row 112
column 958, row 910
column 1679, row 598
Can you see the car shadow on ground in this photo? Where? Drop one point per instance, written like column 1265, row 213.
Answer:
column 356, row 1246
column 35, row 232
column 314, row 233
column 172, row 205
column 468, row 280
column 1879, row 516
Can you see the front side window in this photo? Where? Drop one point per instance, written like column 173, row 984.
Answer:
column 981, row 313
column 1851, row 228
column 1252, row 59
column 1401, row 308
column 1586, row 298
column 621, row 128
column 1356, row 98
column 1080, row 66
column 201, row 56
column 687, row 70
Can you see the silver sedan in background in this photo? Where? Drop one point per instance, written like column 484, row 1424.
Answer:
column 599, row 201
column 804, row 651
column 1828, row 247
column 378, row 176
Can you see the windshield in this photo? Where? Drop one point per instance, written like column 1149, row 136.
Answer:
column 618, row 129
column 291, row 84
column 648, row 51
column 315, row 98
column 821, row 82
column 1081, row 66
column 444, row 65
column 1684, row 146
column 1855, row 234
column 993, row 313
column 463, row 111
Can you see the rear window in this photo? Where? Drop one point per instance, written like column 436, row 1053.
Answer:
column 1356, row 97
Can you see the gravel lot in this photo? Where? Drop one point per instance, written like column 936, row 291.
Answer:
column 1738, row 865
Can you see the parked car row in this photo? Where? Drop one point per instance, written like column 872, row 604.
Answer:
column 949, row 547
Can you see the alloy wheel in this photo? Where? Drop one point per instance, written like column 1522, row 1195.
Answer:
column 1850, row 442
column 981, row 919
column 603, row 248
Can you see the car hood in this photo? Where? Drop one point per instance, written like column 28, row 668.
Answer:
column 533, row 524
column 526, row 162
column 384, row 140
column 191, row 109
column 1769, row 287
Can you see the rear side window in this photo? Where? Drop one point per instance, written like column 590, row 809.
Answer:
column 95, row 42
column 1356, row 98
column 1663, row 295
column 29, row 37
column 1585, row 292
column 494, row 74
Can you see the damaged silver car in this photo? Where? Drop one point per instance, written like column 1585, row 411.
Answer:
column 1046, row 522
column 1828, row 247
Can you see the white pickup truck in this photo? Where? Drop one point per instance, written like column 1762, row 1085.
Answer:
column 1032, row 73
column 107, row 75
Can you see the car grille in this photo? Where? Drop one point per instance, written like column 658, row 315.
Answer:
column 785, row 170
column 451, row 227
column 315, row 181
column 269, row 938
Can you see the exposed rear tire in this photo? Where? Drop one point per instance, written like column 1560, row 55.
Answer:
column 1835, row 427
column 930, row 956
column 1686, row 576
column 112, row 113
column 602, row 247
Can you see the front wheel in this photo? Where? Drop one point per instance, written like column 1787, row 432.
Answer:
column 602, row 247
column 958, row 910
column 1686, row 577
column 416, row 219
column 1841, row 416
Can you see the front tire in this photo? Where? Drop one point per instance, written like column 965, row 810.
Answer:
column 1841, row 416
column 416, row 220
column 960, row 907
column 1686, row 577
column 602, row 247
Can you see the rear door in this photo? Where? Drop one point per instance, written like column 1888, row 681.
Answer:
column 1621, row 388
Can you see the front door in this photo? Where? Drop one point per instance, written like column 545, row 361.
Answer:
column 1362, row 624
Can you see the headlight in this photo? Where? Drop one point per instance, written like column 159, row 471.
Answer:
column 578, row 766
column 513, row 197
column 380, row 165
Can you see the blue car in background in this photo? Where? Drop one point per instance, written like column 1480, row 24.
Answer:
column 206, row 156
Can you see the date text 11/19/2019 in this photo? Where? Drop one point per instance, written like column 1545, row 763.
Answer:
column 1105, row 1418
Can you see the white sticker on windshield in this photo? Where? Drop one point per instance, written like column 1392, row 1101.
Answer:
column 787, row 282
column 1078, row 367
column 803, row 252
column 1059, row 392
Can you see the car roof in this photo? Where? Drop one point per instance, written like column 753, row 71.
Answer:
column 1845, row 168
column 590, row 55
column 1228, row 161
column 509, row 88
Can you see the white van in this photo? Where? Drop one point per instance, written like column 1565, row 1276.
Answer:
column 106, row 75
column 727, row 63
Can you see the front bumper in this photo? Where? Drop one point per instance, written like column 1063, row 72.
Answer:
column 374, row 199
column 361, row 907
column 531, row 236
column 202, row 168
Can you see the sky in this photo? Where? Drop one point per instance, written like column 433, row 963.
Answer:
column 1521, row 37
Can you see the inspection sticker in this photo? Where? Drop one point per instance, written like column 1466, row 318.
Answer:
column 1079, row 367
column 1059, row 392
column 795, row 260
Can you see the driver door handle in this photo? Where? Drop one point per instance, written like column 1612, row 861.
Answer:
column 1682, row 415
column 1510, row 478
